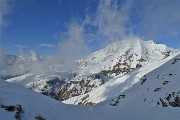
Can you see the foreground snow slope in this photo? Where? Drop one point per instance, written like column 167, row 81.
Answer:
column 34, row 104
column 159, row 88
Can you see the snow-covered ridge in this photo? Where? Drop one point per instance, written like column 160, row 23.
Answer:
column 119, row 59
column 135, row 49
column 159, row 88
column 116, row 85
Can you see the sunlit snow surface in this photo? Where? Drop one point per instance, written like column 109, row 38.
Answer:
column 34, row 104
column 118, row 84
column 130, row 108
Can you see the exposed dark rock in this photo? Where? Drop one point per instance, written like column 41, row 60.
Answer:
column 141, row 60
column 157, row 89
column 123, row 96
column 138, row 66
column 89, row 103
column 19, row 111
column 168, row 97
column 13, row 108
column 39, row 117
column 170, row 74
column 165, row 82
column 10, row 108
column 166, row 54
column 143, row 80
column 170, row 100
column 164, row 104
column 176, row 60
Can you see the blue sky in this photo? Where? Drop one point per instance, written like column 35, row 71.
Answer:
column 48, row 25
column 39, row 22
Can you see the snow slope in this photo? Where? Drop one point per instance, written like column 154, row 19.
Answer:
column 34, row 104
column 116, row 85
column 159, row 88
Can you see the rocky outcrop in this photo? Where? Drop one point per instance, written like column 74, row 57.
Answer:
column 13, row 108
column 79, row 86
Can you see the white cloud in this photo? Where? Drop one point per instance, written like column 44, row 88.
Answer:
column 159, row 19
column 4, row 10
column 47, row 45
column 20, row 46
column 108, row 24
column 73, row 43
column 112, row 18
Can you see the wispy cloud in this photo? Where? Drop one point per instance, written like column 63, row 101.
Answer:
column 73, row 43
column 115, row 20
column 112, row 20
column 23, row 46
column 108, row 24
column 47, row 45
column 158, row 19
column 4, row 10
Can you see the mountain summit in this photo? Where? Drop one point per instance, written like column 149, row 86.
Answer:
column 128, row 54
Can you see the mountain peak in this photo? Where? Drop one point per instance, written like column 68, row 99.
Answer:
column 131, row 51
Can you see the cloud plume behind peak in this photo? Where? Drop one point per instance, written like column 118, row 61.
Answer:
column 109, row 23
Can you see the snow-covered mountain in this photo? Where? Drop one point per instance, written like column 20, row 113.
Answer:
column 159, row 88
column 32, row 56
column 18, row 65
column 100, row 68
column 116, row 85
column 116, row 60
column 151, row 91
column 122, row 56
